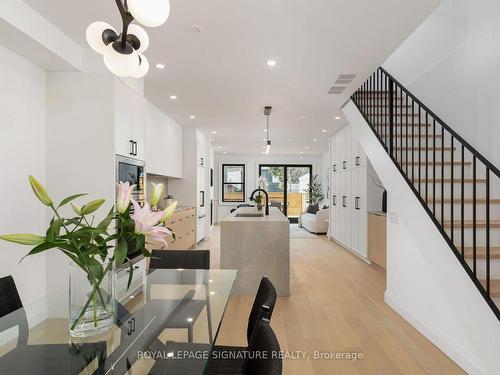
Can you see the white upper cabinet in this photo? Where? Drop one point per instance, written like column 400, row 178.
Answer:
column 164, row 144
column 140, row 117
column 130, row 119
column 124, row 107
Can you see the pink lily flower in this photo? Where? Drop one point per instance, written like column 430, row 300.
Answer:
column 146, row 223
column 123, row 196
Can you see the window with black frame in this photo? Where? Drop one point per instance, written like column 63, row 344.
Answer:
column 233, row 183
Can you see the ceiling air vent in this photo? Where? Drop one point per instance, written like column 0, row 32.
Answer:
column 341, row 84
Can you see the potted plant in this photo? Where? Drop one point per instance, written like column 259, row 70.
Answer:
column 95, row 250
column 315, row 191
column 169, row 199
column 258, row 199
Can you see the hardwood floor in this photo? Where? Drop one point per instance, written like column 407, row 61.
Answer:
column 336, row 305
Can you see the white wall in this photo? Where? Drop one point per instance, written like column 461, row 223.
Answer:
column 252, row 162
column 451, row 64
column 426, row 284
column 23, row 151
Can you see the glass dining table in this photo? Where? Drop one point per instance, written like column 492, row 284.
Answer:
column 168, row 325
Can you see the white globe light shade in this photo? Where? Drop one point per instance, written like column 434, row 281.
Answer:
column 150, row 13
column 94, row 35
column 141, row 34
column 120, row 64
column 143, row 68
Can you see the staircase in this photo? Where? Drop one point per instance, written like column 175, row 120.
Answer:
column 458, row 187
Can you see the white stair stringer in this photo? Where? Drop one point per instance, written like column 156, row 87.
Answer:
column 426, row 284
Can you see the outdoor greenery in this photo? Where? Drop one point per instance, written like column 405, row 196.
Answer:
column 315, row 191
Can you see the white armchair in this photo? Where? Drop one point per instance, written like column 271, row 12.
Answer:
column 315, row 223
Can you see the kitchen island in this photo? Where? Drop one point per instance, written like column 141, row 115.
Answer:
column 256, row 246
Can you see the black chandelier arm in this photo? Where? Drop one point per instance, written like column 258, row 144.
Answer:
column 127, row 19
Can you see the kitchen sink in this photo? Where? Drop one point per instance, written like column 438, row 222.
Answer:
column 250, row 214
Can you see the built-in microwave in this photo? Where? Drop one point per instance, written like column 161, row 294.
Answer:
column 133, row 171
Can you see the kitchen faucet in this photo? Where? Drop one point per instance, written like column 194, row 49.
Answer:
column 267, row 198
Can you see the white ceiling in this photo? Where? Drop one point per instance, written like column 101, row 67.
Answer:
column 221, row 75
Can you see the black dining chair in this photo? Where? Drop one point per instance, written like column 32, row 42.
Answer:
column 189, row 309
column 265, row 341
column 226, row 359
column 9, row 303
column 175, row 259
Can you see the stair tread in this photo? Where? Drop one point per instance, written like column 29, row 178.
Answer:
column 437, row 162
column 494, row 287
column 470, row 224
column 428, row 148
column 448, row 180
column 481, row 252
column 466, row 200
column 417, row 135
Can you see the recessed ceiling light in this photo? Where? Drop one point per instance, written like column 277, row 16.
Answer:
column 192, row 117
column 301, row 152
column 160, row 66
column 225, row 152
column 324, row 130
column 307, row 147
column 190, row 319
column 173, row 97
column 271, row 62
column 265, row 130
column 214, row 132
column 265, row 139
column 337, row 117
column 315, row 140
column 219, row 146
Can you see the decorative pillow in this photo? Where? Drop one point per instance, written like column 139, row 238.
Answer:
column 313, row 209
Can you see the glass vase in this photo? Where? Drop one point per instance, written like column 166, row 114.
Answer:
column 91, row 300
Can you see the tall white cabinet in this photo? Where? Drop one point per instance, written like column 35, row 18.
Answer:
column 348, row 190
column 192, row 190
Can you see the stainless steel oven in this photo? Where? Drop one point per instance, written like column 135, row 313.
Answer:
column 133, row 171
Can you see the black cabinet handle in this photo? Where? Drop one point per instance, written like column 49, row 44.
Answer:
column 356, row 160
column 344, row 164
column 344, row 201
column 129, row 327
column 334, row 200
column 131, row 147
column 335, row 167
column 133, row 324
column 135, row 148
column 201, row 163
column 356, row 203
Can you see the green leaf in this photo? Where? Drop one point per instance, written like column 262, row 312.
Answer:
column 95, row 268
column 107, row 220
column 92, row 206
column 70, row 198
column 120, row 252
column 130, row 274
column 54, row 229
column 40, row 248
column 23, row 239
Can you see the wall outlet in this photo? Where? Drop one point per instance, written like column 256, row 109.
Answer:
column 393, row 217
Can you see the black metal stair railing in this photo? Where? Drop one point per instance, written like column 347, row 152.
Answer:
column 452, row 180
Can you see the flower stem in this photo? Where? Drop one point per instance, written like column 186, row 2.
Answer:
column 92, row 296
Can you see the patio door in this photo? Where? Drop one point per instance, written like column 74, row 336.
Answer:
column 288, row 187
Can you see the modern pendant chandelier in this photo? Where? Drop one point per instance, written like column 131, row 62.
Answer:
column 267, row 112
column 123, row 53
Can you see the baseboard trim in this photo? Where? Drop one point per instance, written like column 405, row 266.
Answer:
column 462, row 357
column 354, row 252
